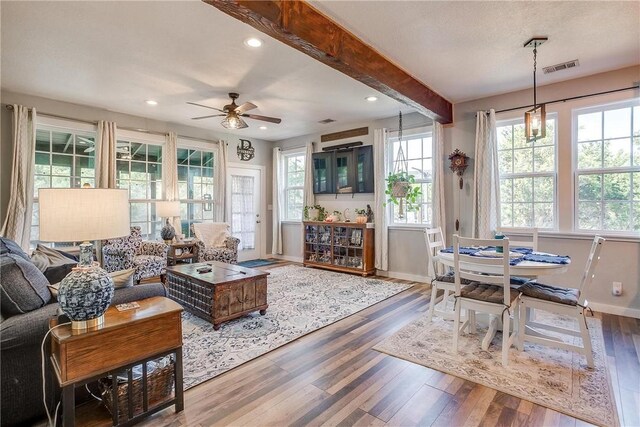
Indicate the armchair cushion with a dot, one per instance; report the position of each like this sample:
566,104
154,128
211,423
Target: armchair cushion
567,296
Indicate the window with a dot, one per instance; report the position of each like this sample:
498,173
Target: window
607,159
293,186
139,169
418,151
64,158
527,176
195,186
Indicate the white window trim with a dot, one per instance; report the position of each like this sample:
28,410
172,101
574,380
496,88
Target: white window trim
422,132
554,174
285,155
575,231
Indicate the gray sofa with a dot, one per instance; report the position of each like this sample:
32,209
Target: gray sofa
21,336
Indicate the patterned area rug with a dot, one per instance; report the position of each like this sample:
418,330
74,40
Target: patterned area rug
301,300
556,379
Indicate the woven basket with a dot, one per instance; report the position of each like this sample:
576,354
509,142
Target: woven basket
159,388
400,189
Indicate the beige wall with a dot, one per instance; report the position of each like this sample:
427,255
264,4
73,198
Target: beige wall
263,151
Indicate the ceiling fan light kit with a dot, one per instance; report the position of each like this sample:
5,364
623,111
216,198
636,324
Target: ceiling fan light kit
535,124
233,113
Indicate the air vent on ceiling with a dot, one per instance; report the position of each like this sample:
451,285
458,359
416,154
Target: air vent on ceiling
560,67
325,121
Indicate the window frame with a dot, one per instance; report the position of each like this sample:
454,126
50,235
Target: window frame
285,184
201,146
421,132
553,174
51,124
146,139
576,173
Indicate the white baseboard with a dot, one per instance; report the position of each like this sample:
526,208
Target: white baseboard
288,258
404,276
615,309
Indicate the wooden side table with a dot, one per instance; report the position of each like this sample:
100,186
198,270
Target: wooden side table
126,339
182,252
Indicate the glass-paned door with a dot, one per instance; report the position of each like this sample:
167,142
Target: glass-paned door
243,192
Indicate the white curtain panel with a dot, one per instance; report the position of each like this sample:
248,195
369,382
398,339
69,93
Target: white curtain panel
309,197
106,155
278,202
439,211
380,210
17,223
170,174
221,179
486,178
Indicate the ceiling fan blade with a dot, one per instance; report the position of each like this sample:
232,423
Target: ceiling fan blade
263,118
90,149
245,107
207,117
83,140
205,106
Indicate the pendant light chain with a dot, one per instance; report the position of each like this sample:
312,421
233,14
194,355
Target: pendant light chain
401,160
535,63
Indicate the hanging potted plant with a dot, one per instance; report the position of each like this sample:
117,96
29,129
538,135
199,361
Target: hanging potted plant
401,187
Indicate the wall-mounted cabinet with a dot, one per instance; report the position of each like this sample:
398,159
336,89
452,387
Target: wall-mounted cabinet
343,171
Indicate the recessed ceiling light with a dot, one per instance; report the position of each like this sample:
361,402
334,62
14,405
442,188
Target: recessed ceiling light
253,42
371,98
151,102
263,128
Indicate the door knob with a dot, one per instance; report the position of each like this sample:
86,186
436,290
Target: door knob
257,222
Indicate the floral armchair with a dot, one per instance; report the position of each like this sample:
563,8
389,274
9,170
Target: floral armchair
148,258
228,253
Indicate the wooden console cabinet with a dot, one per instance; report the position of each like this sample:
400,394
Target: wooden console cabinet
340,246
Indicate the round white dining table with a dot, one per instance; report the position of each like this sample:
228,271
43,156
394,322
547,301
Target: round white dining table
524,268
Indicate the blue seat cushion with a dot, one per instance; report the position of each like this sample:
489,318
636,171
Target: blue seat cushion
567,296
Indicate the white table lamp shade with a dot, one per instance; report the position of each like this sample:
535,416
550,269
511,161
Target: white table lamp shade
83,214
167,209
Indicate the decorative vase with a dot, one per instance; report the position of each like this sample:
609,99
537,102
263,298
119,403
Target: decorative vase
168,233
85,294
400,189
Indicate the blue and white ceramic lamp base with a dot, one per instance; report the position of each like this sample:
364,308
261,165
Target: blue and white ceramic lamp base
85,293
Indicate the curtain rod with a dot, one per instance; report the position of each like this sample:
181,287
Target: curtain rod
568,99
94,122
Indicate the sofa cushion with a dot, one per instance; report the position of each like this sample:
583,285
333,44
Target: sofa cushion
8,246
23,287
568,296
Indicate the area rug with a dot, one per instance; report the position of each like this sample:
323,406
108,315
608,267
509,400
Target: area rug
253,263
556,379
301,300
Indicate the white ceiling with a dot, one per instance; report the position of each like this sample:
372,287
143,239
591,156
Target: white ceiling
471,49
115,55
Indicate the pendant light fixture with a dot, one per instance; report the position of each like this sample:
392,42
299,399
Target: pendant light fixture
535,119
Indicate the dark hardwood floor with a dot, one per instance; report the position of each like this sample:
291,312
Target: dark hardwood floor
334,377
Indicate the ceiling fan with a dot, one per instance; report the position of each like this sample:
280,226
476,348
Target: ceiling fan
121,147
233,113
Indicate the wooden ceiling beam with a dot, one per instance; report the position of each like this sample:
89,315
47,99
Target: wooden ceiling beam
299,25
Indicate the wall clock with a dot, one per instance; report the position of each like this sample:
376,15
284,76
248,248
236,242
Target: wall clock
245,150
459,162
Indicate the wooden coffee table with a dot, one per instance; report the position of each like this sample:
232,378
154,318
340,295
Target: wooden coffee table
227,292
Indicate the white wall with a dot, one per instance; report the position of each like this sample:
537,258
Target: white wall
263,149
620,259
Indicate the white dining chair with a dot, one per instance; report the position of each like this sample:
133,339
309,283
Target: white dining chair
434,240
521,237
487,293
564,301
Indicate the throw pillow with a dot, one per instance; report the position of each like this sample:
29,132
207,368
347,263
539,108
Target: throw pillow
23,287
213,235
123,278
44,257
8,246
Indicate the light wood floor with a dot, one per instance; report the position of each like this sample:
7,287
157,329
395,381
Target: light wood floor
334,377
